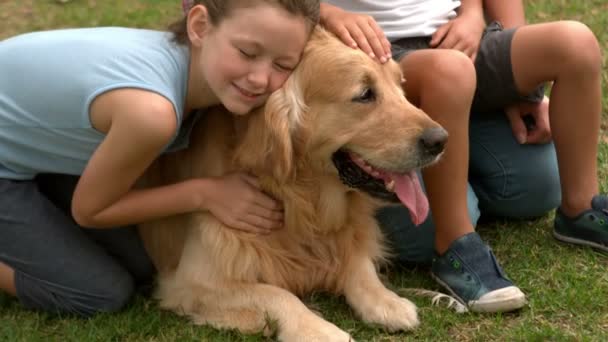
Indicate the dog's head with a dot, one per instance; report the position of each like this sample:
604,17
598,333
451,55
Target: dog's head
343,114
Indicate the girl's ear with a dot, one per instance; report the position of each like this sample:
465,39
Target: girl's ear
197,24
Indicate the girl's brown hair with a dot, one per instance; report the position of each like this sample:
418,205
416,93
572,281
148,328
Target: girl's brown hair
220,9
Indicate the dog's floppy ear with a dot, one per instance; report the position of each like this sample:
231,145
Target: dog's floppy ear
267,147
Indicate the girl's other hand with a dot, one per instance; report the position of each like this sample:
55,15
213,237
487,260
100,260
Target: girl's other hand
357,31
238,202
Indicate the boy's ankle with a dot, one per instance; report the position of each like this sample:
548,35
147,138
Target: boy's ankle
572,209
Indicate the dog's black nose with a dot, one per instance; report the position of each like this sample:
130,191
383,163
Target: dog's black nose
433,140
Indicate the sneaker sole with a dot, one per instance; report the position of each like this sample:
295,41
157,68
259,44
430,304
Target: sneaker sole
579,242
502,300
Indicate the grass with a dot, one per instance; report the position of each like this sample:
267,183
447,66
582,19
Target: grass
566,286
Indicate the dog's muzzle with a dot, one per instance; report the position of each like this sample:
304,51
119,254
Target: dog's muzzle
353,176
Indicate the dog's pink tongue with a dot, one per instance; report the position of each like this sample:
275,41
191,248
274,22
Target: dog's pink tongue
409,191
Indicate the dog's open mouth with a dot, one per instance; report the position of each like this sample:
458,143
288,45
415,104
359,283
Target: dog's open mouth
390,186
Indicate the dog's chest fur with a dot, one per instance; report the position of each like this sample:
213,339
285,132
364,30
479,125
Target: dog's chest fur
322,233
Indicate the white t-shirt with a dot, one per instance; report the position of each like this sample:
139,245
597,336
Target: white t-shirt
403,18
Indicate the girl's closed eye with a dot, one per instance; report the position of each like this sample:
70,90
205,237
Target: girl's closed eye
284,67
247,54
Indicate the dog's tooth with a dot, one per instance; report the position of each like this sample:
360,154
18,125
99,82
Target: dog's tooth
375,173
390,185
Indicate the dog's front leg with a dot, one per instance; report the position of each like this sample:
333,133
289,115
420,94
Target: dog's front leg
279,308
373,301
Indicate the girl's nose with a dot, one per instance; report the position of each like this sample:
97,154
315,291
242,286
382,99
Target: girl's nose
259,77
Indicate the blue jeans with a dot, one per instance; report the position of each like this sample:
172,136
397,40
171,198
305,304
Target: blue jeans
506,180
59,266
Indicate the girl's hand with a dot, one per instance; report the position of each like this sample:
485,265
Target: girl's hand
237,201
357,31
463,33
537,131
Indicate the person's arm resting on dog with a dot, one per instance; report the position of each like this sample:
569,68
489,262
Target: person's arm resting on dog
104,196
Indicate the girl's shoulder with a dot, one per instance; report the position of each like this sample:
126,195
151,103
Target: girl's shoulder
78,39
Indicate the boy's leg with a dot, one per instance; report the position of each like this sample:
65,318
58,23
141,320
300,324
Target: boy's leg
411,244
511,180
568,54
442,83
56,266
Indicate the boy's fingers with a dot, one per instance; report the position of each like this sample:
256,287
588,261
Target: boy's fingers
448,42
518,126
439,35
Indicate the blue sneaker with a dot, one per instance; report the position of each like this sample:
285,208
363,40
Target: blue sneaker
589,228
470,272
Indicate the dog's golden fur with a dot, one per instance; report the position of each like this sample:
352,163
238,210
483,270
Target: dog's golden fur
331,241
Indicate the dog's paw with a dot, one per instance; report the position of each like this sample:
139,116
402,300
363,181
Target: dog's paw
393,312
314,330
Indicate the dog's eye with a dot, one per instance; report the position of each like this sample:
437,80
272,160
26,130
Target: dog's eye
368,95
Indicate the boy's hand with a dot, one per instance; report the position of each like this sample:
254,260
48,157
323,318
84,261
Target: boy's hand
237,201
537,131
462,33
357,31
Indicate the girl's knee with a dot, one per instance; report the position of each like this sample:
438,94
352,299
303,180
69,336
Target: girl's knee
113,298
83,300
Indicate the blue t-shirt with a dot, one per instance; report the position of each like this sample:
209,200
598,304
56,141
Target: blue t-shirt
48,80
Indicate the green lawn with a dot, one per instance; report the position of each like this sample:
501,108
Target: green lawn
567,287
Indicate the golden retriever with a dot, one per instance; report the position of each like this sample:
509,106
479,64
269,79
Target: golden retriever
333,144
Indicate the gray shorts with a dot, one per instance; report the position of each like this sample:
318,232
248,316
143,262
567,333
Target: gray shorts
496,87
59,266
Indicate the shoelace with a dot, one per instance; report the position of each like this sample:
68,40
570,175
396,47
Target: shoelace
437,298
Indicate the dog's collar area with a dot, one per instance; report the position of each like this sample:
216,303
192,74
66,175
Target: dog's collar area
354,177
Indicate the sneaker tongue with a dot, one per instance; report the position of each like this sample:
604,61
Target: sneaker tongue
409,192
600,203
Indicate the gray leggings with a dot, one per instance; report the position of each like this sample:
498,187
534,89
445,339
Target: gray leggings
59,266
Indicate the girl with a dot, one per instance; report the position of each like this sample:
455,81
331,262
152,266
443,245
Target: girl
83,112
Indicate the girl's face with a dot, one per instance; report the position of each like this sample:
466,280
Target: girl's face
250,54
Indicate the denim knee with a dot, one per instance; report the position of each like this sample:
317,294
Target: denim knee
524,188
105,296
415,244
511,180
